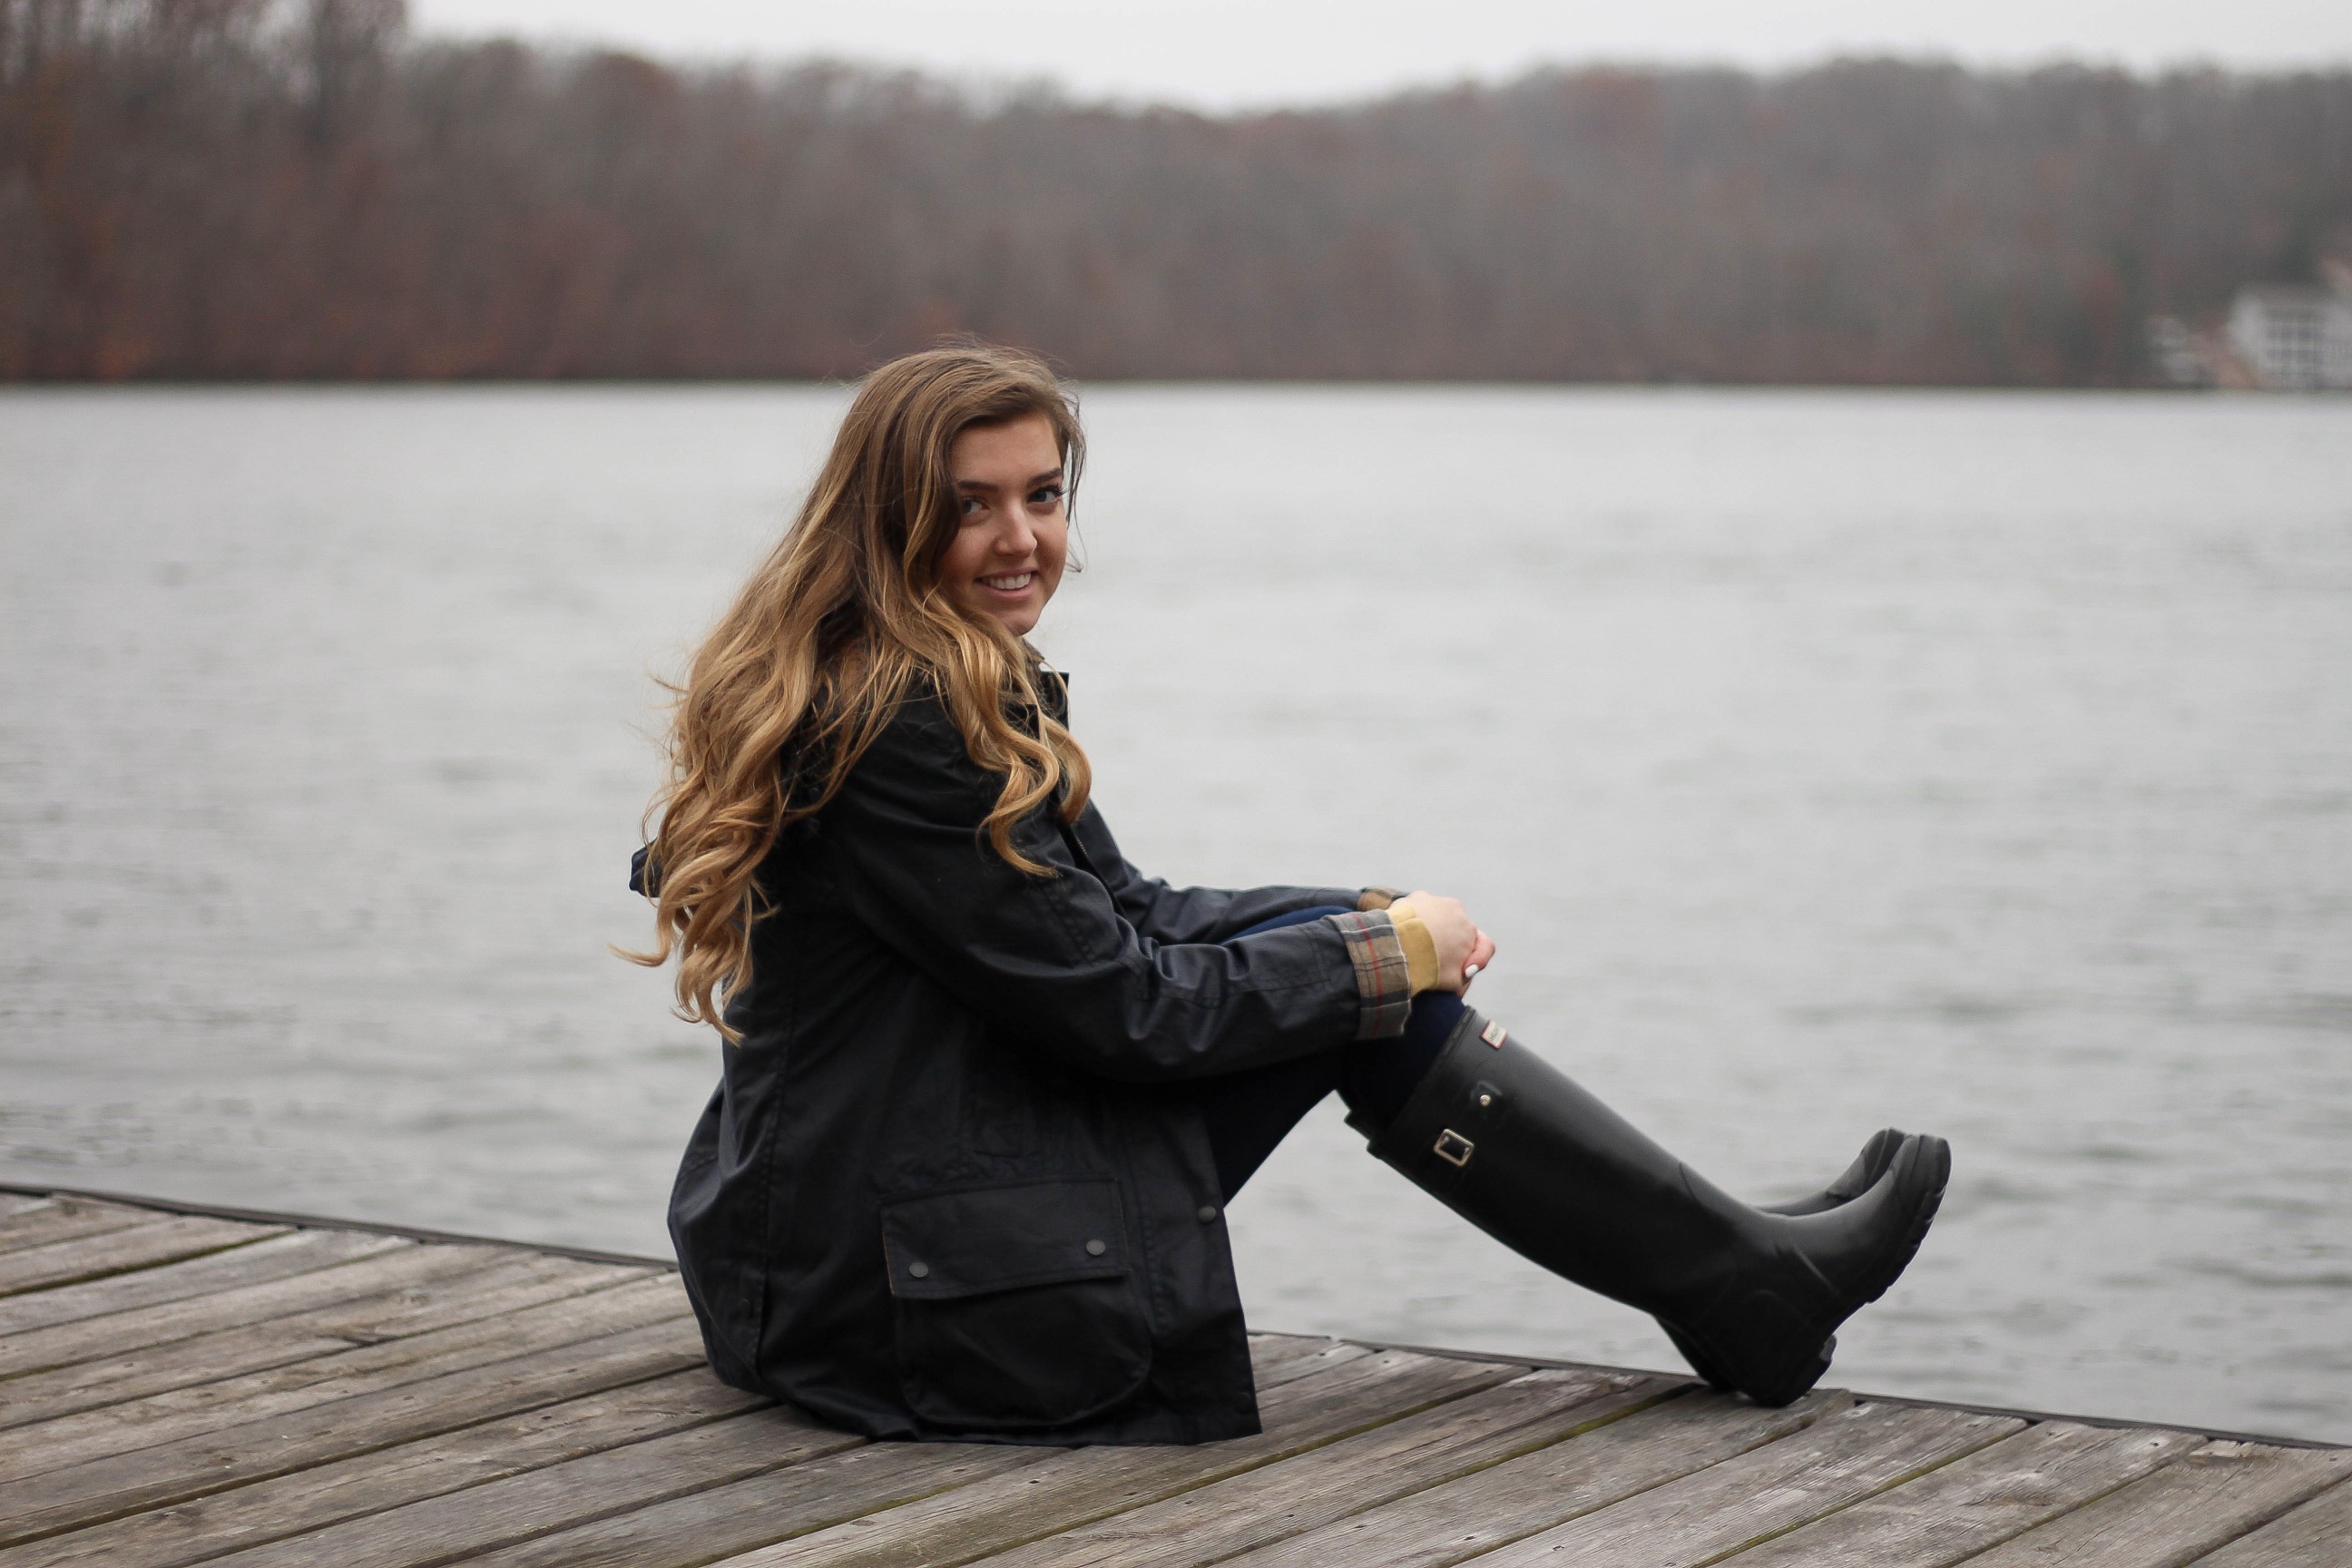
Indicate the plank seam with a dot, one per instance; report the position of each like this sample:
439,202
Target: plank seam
2108,1423
110,1272
2026,1527
174,1500
177,1337
1079,1522
1662,1396
313,1268
108,1224
1066,1526
230,1411
1904,1479
323,1222
209,1377
1516,1536
850,1443
910,1502
258,1535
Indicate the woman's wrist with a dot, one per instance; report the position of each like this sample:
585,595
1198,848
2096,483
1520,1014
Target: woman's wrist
1377,898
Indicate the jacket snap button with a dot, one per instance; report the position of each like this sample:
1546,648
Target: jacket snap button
919,1270
1208,1212
1096,1249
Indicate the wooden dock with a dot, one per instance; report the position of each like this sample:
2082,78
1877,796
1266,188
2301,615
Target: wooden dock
187,1386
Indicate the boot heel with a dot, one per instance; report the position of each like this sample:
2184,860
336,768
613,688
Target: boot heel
1700,1362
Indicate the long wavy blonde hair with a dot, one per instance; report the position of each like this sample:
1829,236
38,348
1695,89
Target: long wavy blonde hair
848,614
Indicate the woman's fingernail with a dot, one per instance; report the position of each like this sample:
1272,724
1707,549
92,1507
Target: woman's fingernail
1469,970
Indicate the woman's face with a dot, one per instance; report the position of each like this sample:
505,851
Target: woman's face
1006,559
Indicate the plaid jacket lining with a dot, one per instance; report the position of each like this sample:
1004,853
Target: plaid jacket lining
1383,979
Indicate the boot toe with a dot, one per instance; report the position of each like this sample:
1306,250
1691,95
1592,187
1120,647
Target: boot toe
1924,1173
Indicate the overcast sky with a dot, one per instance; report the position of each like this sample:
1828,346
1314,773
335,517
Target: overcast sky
1223,53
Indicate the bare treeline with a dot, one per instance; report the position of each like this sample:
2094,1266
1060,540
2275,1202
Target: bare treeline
241,188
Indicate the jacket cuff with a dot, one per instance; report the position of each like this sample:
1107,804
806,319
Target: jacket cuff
1377,898
1383,977
1419,947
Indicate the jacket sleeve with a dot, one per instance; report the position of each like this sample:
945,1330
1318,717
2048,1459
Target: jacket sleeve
1189,914
1053,961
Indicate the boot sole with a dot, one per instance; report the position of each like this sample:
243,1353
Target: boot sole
1876,1284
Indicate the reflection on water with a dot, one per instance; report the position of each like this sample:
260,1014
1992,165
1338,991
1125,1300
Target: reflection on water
1969,763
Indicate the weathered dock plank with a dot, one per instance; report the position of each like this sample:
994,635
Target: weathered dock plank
225,1450
44,1220
1976,1502
340,1282
1067,1491
1300,1407
1458,1521
873,1480
618,1480
181,1351
1285,1357
280,1257
1210,1523
2195,1505
201,1408
261,1391
381,1479
1837,1460
67,1260
2314,1534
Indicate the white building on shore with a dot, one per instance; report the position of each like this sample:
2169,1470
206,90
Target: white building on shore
2293,337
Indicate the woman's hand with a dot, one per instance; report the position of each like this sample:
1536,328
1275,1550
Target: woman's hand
1463,949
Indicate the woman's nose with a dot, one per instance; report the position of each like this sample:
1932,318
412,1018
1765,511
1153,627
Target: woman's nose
1017,537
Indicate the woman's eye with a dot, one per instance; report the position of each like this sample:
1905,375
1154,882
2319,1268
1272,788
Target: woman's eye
1046,495
971,506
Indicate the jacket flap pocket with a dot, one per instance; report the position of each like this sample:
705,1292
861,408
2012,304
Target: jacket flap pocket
977,1240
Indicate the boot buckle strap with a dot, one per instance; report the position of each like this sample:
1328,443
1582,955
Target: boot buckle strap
1452,1148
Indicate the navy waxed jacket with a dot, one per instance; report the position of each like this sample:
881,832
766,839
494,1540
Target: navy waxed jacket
953,1184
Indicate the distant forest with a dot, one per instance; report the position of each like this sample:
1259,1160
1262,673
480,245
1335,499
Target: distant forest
258,189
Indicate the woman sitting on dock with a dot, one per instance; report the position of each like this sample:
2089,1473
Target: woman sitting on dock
987,1088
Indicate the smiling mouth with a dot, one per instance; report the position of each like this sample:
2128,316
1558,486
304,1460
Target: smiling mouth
1015,582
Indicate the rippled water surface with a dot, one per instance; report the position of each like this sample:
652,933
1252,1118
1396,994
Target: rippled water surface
1979,763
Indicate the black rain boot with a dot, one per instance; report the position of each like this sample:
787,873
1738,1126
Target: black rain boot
1521,1151
1851,1183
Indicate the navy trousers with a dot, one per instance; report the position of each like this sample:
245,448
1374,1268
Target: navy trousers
1248,1113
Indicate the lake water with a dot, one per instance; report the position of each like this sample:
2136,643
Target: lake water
1972,762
